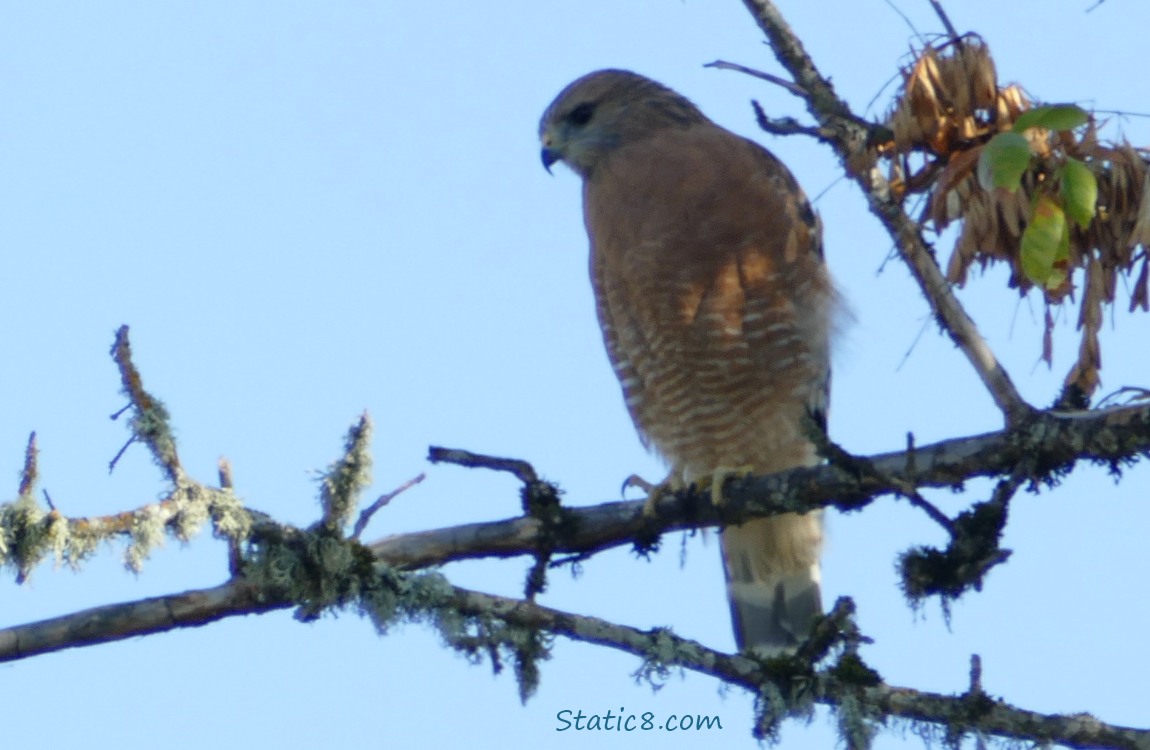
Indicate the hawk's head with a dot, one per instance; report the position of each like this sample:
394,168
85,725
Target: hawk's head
607,109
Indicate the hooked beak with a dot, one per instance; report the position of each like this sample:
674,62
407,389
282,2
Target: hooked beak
548,156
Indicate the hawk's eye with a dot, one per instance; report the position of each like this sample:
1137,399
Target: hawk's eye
581,115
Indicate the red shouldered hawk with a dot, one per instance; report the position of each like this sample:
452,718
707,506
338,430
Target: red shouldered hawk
716,307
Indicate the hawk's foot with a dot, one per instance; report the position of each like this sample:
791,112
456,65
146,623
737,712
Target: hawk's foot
714,481
655,492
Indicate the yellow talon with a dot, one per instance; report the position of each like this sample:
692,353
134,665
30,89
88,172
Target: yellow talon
718,477
655,492
674,482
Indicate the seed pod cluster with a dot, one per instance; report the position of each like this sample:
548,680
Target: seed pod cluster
949,106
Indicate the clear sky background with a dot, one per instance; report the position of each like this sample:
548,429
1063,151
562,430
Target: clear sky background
306,210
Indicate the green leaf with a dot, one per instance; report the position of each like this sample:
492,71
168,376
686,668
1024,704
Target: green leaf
1002,162
1045,242
1052,117
1079,191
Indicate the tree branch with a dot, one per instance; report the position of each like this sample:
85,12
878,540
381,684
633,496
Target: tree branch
760,74
851,137
115,622
1041,450
832,686
1054,443
150,420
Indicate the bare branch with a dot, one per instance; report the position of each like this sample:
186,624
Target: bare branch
783,125
861,466
941,13
761,75
31,471
365,517
851,136
115,622
224,469
521,469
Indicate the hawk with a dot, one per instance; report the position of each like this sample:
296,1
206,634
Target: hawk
716,308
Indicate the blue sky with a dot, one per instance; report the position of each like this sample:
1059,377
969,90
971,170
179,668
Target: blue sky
307,210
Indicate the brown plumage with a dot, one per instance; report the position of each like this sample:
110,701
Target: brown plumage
715,306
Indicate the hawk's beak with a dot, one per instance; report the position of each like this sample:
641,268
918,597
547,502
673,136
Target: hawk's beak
549,156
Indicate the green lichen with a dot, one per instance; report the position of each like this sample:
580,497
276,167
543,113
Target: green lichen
852,670
856,725
230,519
345,479
24,536
151,424
82,543
770,710
190,512
146,533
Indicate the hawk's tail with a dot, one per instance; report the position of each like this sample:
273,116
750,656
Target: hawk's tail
772,569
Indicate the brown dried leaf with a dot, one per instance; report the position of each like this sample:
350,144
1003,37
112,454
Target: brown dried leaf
954,179
983,77
1084,374
1140,234
1089,143
922,90
959,264
1140,297
957,86
1015,103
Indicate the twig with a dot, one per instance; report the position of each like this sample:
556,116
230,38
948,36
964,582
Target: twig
521,469
904,17
946,24
1133,394
120,453
769,77
150,421
936,515
910,464
365,517
30,472
975,688
864,468
850,137
224,469
783,125
539,500
235,547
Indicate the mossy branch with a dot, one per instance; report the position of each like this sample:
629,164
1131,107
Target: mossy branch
476,623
